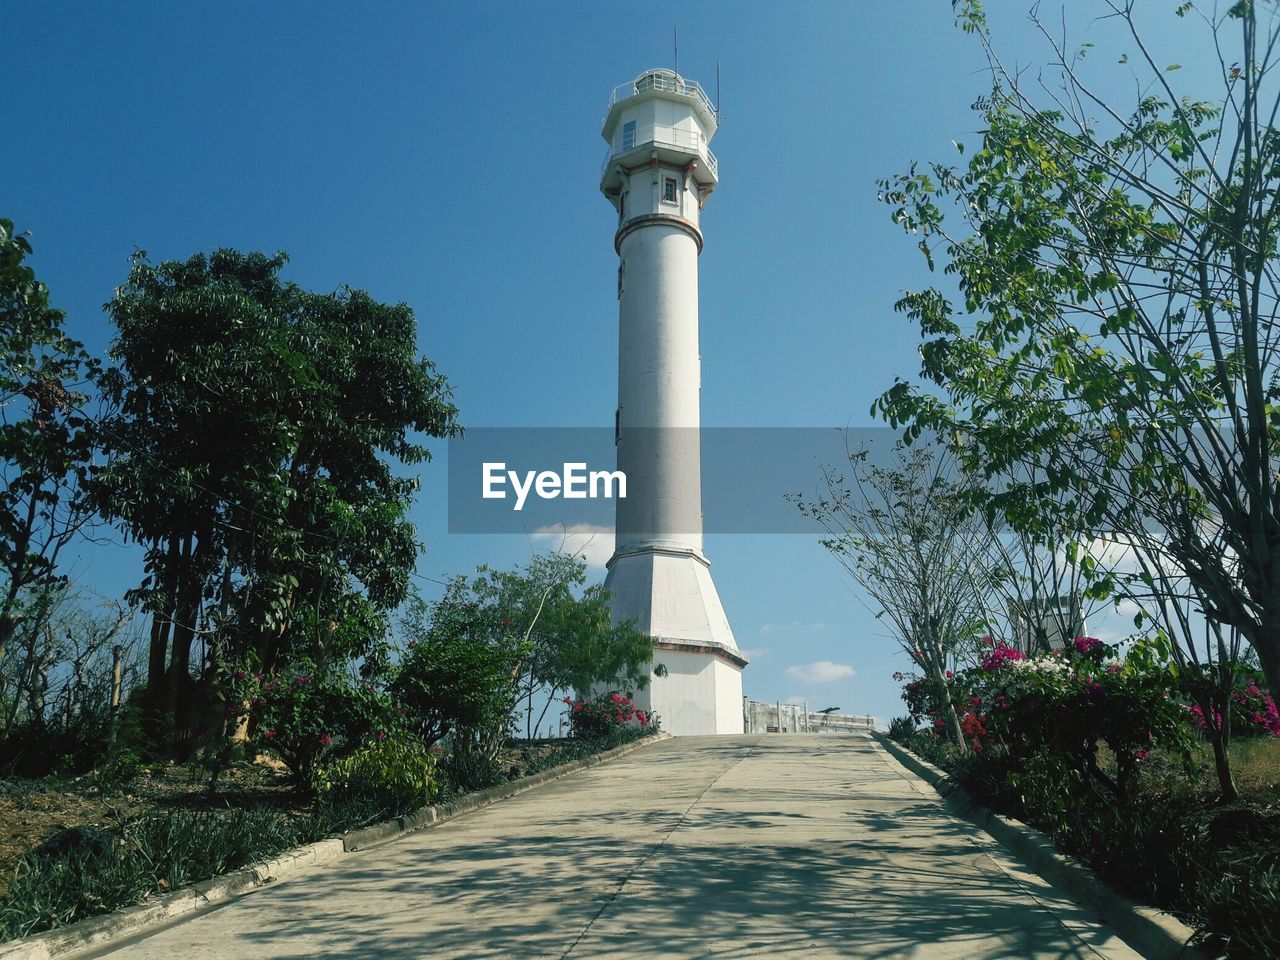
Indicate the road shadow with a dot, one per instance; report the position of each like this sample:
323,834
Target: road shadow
865,867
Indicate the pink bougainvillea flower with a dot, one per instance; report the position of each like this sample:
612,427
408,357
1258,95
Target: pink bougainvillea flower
326,740
1086,644
1001,654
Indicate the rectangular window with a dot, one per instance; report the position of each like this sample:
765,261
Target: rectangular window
628,135
669,190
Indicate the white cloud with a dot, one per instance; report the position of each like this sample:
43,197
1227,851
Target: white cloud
1119,553
754,653
593,543
820,671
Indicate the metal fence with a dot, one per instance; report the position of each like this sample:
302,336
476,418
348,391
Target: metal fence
758,717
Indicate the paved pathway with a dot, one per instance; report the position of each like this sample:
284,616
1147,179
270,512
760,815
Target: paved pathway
756,846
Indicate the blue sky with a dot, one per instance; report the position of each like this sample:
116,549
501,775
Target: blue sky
448,155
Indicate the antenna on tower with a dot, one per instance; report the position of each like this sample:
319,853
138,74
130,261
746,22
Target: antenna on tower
675,45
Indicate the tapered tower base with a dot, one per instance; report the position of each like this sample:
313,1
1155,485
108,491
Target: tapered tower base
669,595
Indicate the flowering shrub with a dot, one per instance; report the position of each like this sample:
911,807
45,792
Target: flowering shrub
307,716
1048,716
1253,712
1040,721
603,714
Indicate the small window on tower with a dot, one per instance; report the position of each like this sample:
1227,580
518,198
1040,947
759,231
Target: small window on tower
669,190
628,135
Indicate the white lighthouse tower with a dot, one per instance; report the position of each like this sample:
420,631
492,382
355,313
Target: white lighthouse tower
659,173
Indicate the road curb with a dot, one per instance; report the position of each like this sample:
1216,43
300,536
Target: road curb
87,937
1154,933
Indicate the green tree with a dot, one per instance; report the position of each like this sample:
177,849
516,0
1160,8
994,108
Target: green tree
574,644
510,637
906,535
258,431
457,669
1117,271
47,439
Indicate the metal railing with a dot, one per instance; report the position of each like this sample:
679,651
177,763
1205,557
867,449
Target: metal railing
777,717
664,81
665,136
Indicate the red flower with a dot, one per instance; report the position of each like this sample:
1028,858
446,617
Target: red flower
326,740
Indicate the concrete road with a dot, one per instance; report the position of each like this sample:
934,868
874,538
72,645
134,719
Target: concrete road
758,846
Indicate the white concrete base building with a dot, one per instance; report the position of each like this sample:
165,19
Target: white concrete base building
671,597
658,175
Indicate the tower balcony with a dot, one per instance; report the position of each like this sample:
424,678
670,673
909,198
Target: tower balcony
661,81
672,144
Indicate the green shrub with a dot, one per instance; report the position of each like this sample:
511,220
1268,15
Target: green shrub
451,678
469,770
396,774
308,715
59,746
902,729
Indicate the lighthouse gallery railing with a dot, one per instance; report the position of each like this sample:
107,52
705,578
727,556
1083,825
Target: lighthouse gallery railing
663,135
